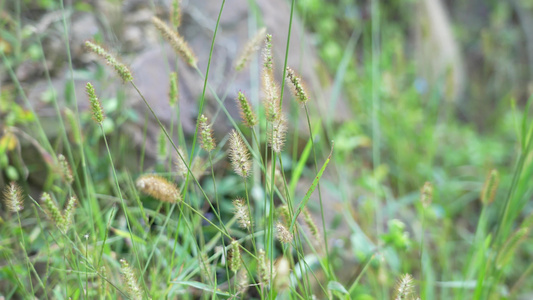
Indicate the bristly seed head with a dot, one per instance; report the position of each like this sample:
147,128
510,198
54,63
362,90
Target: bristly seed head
426,194
159,188
68,214
239,155
404,287
490,187
276,134
308,219
181,163
263,268
251,46
247,113
268,62
284,235
206,134
120,68
173,94
132,285
241,211
235,257
271,96
65,169
96,107
53,212
176,41
13,198
297,86
175,14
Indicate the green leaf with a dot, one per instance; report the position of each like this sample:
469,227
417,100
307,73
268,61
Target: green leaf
127,235
336,286
203,287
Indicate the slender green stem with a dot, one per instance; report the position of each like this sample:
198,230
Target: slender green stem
331,274
124,207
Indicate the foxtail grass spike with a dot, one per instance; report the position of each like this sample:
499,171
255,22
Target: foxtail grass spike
285,215
242,281
130,280
162,149
180,163
284,235
271,96
173,94
297,86
53,212
235,257
65,169
268,62
13,197
308,219
240,157
247,114
159,188
205,267
404,287
96,107
176,41
263,268
206,134
119,67
276,134
68,215
489,188
426,194
175,13
241,211
508,250
251,46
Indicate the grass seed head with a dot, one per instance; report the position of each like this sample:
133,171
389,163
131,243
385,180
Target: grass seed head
65,169
176,41
489,188
276,134
308,219
271,96
68,214
181,163
173,94
53,212
175,13
247,113
263,268
404,287
241,211
130,280
119,67
297,86
13,197
96,108
251,46
426,194
239,155
159,188
235,257
268,62
284,235
206,134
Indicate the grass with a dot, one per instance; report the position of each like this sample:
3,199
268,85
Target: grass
394,203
